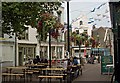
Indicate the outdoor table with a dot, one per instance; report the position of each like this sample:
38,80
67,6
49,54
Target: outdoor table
42,63
18,67
35,65
52,69
74,67
47,73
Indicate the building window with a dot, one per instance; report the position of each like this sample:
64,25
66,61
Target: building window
43,51
85,31
81,22
24,53
77,31
59,52
24,35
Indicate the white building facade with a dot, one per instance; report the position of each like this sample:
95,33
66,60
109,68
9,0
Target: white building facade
81,25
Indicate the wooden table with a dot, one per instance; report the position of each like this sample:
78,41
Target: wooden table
52,75
51,69
35,65
19,68
56,69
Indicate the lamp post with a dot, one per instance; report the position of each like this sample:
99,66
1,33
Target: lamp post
15,49
98,48
68,35
50,48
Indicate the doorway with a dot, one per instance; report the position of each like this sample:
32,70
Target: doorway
20,59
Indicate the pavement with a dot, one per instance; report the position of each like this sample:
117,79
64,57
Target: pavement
92,74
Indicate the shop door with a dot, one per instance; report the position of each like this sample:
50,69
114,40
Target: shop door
20,59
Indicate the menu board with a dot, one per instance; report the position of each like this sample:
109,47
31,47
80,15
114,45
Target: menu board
105,60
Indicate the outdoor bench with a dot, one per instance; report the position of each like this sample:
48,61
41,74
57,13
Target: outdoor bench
58,74
49,77
11,74
30,74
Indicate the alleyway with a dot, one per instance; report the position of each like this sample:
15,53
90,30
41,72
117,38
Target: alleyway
92,74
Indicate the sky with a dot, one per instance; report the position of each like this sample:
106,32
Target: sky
96,11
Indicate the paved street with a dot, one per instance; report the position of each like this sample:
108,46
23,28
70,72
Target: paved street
92,74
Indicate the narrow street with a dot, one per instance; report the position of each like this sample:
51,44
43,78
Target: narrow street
92,74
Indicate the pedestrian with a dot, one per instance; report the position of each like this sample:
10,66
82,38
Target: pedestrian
75,61
87,58
36,60
92,59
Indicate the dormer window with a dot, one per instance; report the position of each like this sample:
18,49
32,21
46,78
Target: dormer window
77,31
81,22
23,35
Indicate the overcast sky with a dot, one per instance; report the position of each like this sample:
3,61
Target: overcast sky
97,10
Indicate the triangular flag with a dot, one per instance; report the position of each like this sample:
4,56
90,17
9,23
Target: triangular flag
93,10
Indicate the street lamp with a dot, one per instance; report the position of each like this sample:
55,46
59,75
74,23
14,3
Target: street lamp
50,49
68,35
15,49
98,48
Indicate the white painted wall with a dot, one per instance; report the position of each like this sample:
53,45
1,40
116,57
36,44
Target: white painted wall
7,48
8,52
76,25
31,36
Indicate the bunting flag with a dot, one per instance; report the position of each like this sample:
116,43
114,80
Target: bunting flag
90,22
93,10
107,16
103,16
95,19
99,19
98,14
90,18
106,11
101,6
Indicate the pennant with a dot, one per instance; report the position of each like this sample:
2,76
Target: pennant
98,14
90,18
106,11
104,16
107,16
90,22
99,19
101,6
93,10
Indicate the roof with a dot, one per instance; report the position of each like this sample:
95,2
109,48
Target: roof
95,29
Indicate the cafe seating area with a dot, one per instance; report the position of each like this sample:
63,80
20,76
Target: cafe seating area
41,72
